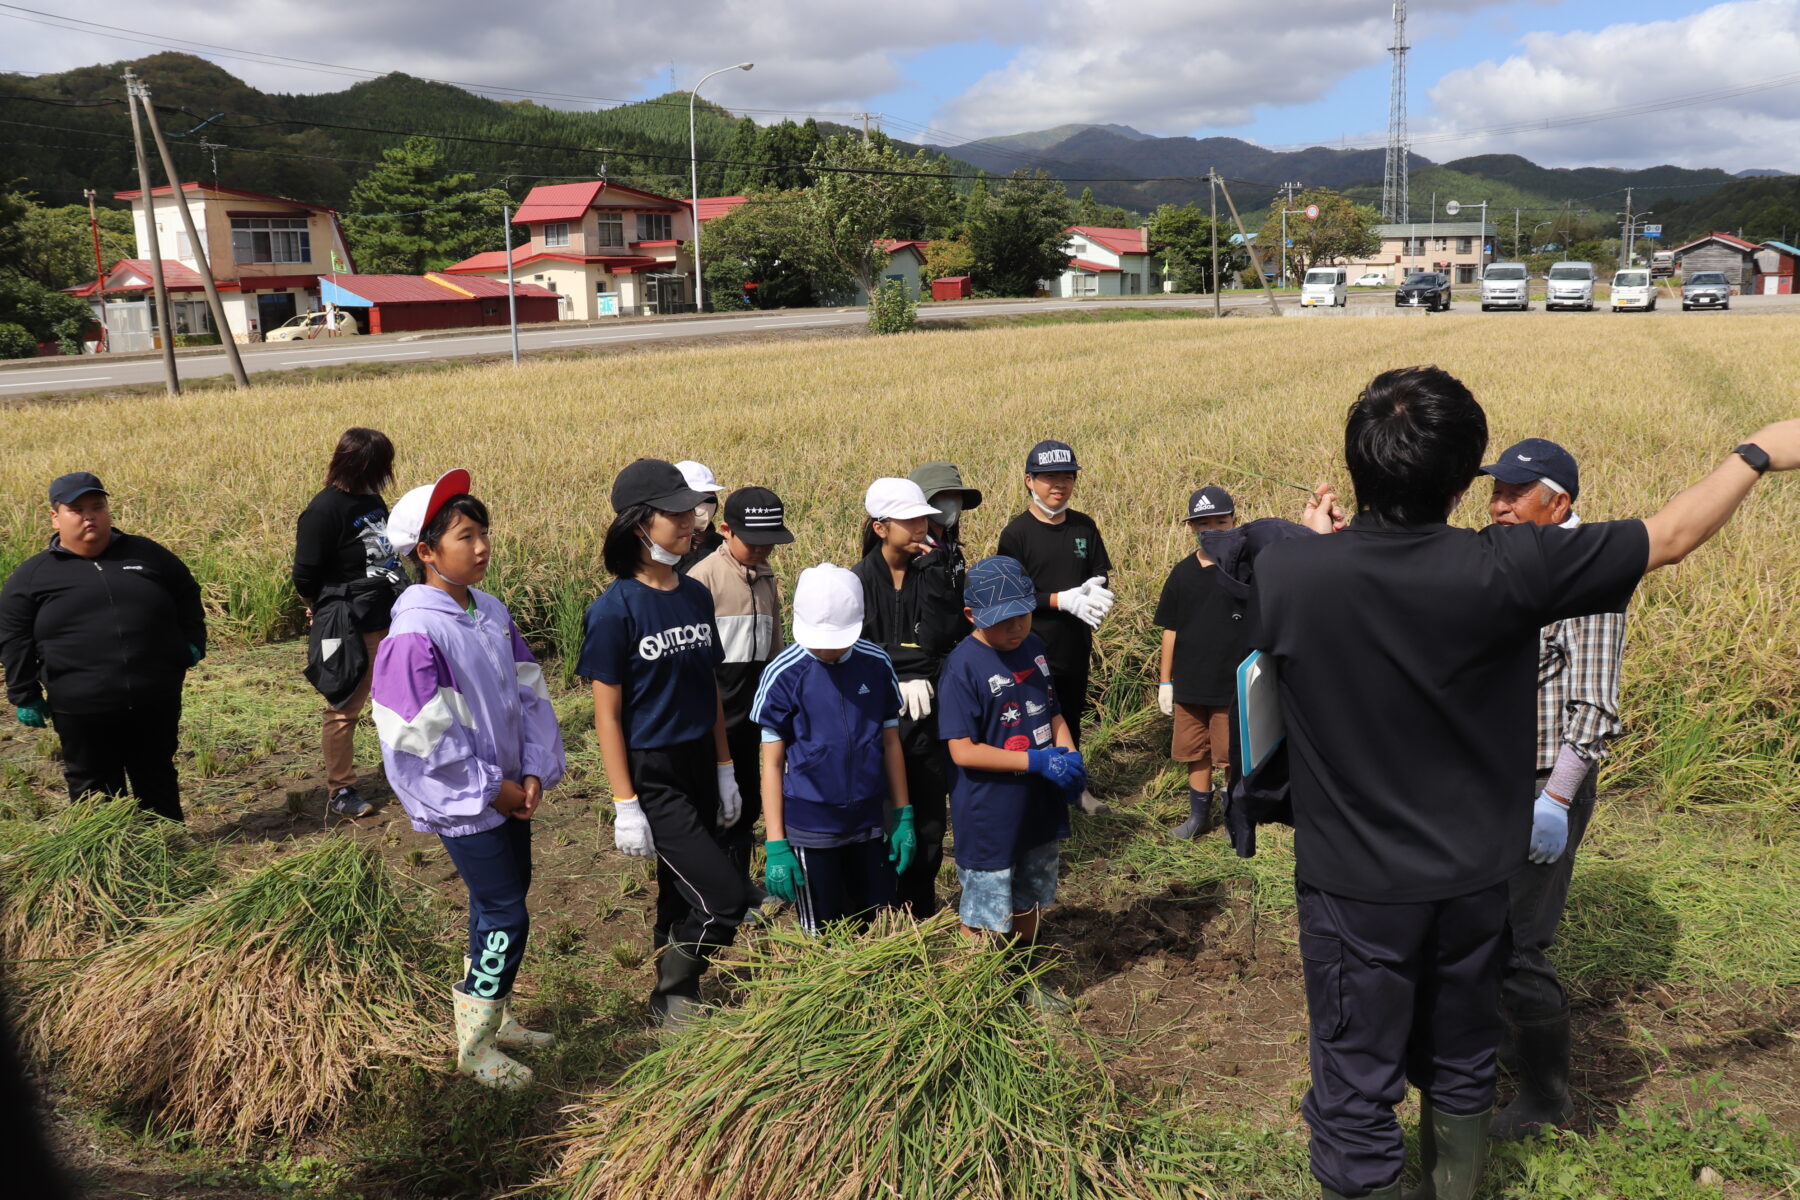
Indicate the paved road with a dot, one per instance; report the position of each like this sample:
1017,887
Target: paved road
95,374
98,374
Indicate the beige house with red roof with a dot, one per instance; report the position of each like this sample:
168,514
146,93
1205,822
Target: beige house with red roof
607,249
1108,262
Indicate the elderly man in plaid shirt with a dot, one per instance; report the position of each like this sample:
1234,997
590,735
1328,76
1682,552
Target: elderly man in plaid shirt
1537,482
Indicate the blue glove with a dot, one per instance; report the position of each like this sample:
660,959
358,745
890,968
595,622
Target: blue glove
197,654
1549,828
1062,767
36,714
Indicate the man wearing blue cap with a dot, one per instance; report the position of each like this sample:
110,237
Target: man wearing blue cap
109,623
1537,483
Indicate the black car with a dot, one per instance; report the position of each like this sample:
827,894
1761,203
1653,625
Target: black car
1428,289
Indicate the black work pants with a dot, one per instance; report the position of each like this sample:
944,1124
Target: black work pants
1530,992
844,883
700,895
1395,993
927,789
495,866
745,743
102,751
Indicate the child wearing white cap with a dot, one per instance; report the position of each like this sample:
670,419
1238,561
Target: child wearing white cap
707,537
829,708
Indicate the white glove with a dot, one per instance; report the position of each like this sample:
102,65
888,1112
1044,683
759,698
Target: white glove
1097,594
631,829
1080,602
915,698
731,801
1165,698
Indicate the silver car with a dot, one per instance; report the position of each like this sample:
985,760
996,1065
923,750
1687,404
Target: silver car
1705,289
1506,285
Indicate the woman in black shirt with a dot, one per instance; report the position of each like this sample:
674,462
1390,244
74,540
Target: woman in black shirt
342,556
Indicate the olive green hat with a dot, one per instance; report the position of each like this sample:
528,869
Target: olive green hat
935,477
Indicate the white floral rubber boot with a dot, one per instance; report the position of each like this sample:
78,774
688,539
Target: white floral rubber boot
512,1035
477,1026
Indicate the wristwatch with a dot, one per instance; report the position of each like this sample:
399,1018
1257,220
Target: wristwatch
1755,455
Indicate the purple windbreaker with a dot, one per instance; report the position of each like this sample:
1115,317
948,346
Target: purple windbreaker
460,705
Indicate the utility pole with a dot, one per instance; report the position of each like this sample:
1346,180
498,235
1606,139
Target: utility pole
99,268
512,292
1625,234
865,121
214,305
1515,234
160,288
1255,259
1212,187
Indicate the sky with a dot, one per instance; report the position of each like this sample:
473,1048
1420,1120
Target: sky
1561,82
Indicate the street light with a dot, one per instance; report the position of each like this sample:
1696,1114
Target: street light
694,178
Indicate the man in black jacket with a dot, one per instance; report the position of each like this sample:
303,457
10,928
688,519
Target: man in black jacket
107,623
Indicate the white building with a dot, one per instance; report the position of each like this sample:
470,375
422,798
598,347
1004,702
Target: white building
1108,262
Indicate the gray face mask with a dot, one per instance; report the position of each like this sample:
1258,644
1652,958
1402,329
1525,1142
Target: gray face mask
949,506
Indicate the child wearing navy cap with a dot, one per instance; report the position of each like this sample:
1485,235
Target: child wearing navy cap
1202,645
1014,766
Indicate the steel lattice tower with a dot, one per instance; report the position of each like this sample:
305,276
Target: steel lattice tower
1395,206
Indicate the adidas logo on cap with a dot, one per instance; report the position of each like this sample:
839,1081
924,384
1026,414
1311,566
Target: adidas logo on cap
863,690
1203,504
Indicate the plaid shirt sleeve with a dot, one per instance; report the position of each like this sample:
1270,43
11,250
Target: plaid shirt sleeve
1578,686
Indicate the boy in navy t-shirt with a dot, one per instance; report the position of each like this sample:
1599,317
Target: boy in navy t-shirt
829,708
1014,766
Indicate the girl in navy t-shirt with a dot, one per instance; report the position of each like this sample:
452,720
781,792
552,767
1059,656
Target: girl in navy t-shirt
650,649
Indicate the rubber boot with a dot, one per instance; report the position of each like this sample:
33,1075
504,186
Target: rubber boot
1543,1078
1390,1192
675,1000
1036,991
512,1035
1451,1152
1091,804
1199,816
477,1023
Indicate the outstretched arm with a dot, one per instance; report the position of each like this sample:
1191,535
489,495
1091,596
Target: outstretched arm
1686,523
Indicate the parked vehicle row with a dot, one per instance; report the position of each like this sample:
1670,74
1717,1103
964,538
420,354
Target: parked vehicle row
1568,285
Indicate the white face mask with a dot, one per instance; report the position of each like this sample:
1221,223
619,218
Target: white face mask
949,506
703,515
1046,509
667,558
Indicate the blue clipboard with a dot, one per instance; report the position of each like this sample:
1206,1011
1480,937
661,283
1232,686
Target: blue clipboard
1261,727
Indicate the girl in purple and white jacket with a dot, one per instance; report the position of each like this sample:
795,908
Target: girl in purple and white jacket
470,743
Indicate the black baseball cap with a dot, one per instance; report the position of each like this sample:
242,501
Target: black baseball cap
756,516
1534,459
66,489
1209,501
657,483
1048,457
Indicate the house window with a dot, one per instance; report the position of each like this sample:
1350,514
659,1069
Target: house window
556,233
270,240
612,229
1086,284
1465,246
655,227
1465,274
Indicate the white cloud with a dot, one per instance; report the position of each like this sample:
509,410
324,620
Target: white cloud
1179,64
1556,77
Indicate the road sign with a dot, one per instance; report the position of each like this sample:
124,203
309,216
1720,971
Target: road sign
1653,231
1312,212
1452,208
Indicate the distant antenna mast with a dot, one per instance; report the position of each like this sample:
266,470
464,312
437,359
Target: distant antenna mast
1395,207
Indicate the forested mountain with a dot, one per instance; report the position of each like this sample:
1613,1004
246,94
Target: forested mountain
1760,208
64,132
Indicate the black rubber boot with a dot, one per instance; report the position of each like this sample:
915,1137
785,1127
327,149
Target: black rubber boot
1199,816
1451,1152
1390,1192
675,1000
1543,1078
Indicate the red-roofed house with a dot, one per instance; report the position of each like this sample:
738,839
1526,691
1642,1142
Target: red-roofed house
1720,252
605,248
714,207
391,303
1108,262
266,253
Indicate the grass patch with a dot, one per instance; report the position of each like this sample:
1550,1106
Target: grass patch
259,1008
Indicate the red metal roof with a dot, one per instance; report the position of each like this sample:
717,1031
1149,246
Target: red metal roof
570,201
1737,243
393,289
1082,264
479,285
896,245
495,260
713,207
195,185
1119,241
179,277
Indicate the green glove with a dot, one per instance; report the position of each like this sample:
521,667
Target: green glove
781,871
197,652
903,842
36,714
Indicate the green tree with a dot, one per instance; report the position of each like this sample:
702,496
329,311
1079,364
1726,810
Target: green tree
1022,235
1182,235
56,245
741,180
868,191
769,242
1087,209
47,315
1342,230
411,214
948,256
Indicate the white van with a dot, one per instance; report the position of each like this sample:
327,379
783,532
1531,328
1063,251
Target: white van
1506,285
1633,289
1325,286
1570,285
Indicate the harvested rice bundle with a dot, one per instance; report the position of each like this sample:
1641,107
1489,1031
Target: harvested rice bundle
82,879
894,1064
256,1009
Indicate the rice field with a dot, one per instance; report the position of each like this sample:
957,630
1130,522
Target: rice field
1154,409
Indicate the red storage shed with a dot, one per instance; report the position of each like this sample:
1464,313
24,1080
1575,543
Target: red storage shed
952,287
406,303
